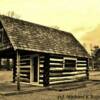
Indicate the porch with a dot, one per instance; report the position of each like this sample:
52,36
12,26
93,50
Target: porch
9,88
25,66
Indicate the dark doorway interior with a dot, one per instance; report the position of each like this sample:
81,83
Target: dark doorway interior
35,68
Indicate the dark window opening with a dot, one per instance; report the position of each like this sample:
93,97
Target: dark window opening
69,63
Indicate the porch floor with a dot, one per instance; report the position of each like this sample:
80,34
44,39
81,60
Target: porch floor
9,88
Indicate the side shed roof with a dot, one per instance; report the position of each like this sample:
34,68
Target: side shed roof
30,36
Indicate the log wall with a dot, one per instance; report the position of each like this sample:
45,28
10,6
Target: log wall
59,74
41,69
25,68
53,71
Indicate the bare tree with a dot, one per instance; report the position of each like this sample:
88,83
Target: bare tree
94,49
11,14
55,27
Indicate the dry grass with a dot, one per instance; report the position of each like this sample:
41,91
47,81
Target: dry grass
5,76
91,92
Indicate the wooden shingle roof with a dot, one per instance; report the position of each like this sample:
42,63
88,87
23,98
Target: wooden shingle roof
29,36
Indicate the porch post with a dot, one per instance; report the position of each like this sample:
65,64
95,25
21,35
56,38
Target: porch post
0,62
14,69
87,69
31,70
18,71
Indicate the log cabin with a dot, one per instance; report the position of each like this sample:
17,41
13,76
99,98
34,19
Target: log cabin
42,56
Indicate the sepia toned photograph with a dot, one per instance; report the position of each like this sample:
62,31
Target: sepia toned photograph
49,50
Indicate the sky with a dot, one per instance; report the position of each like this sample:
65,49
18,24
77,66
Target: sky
81,17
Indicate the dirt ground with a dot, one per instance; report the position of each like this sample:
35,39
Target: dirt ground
90,92
6,76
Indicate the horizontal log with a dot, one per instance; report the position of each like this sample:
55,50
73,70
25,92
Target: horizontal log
81,68
25,63
51,69
42,57
80,75
69,58
24,70
61,62
59,78
41,65
66,77
41,80
70,68
61,81
24,74
55,64
81,61
24,79
41,71
66,74
41,62
41,75
54,59
81,64
25,66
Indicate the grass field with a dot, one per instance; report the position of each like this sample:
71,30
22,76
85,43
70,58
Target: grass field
90,92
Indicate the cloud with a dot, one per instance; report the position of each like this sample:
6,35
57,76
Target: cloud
92,37
79,29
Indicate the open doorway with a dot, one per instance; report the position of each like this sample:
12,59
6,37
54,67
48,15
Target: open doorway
35,69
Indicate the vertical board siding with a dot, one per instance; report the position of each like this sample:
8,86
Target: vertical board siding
59,74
